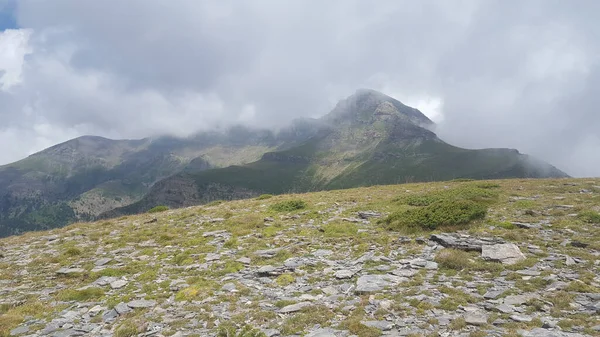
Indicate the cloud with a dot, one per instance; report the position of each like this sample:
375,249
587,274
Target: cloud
492,73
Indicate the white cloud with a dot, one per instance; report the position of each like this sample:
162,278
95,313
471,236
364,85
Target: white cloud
13,48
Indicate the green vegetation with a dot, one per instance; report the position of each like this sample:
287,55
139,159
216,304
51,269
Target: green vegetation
158,209
446,208
83,295
590,216
264,196
289,205
126,329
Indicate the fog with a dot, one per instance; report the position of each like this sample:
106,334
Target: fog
506,73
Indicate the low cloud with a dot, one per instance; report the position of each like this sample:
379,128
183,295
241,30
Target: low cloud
492,73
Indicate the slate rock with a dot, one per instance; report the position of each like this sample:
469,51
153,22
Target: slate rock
141,304
370,283
19,331
70,271
294,307
122,308
463,242
381,325
506,253
476,318
118,284
343,274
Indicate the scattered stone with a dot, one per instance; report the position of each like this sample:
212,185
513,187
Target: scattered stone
268,253
518,299
569,261
476,318
244,260
579,244
492,294
118,284
294,307
506,253
70,271
135,304
212,257
122,308
521,318
322,252
381,325
371,283
228,287
103,261
464,242
344,274
23,329
368,214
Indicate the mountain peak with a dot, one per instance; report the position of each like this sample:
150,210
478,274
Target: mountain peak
365,104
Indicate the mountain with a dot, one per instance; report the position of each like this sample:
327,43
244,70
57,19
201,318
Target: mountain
367,139
87,176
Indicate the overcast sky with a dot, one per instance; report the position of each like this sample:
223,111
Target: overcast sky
522,74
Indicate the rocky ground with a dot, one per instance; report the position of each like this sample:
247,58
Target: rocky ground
530,268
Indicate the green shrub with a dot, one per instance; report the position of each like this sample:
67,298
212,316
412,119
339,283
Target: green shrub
289,205
264,196
157,209
590,216
443,213
126,329
81,295
73,251
465,192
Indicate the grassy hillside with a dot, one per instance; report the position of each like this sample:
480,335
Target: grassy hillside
360,261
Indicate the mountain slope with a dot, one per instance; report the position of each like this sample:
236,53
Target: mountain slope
371,139
84,177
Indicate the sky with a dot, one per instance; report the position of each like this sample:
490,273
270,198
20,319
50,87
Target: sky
521,74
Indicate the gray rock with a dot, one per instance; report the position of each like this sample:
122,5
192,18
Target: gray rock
463,242
244,260
68,333
540,332
528,272
103,261
141,304
492,294
324,333
294,307
368,214
70,271
268,270
122,308
228,287
521,318
518,299
110,315
271,332
344,274
430,265
504,308
322,252
506,253
381,325
569,261
476,318
370,283
118,284
405,272
212,257
267,253
19,331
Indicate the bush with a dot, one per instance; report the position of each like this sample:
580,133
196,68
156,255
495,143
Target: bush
453,259
126,329
466,192
289,205
81,295
590,216
443,213
264,196
158,209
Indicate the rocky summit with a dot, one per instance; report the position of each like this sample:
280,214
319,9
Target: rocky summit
517,258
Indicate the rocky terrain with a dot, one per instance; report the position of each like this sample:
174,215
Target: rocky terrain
319,264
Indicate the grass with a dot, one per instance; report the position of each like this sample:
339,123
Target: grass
307,317
158,209
289,205
590,216
83,295
454,259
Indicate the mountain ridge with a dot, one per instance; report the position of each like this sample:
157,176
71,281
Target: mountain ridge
367,139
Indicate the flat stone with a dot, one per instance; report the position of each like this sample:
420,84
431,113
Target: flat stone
212,257
244,260
267,253
504,308
569,261
322,252
19,331
122,308
69,271
463,242
521,318
476,318
271,332
405,272
430,265
528,272
327,332
228,287
381,325
141,304
294,307
102,261
370,283
492,294
343,274
518,299
506,253
268,270
110,315
118,284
